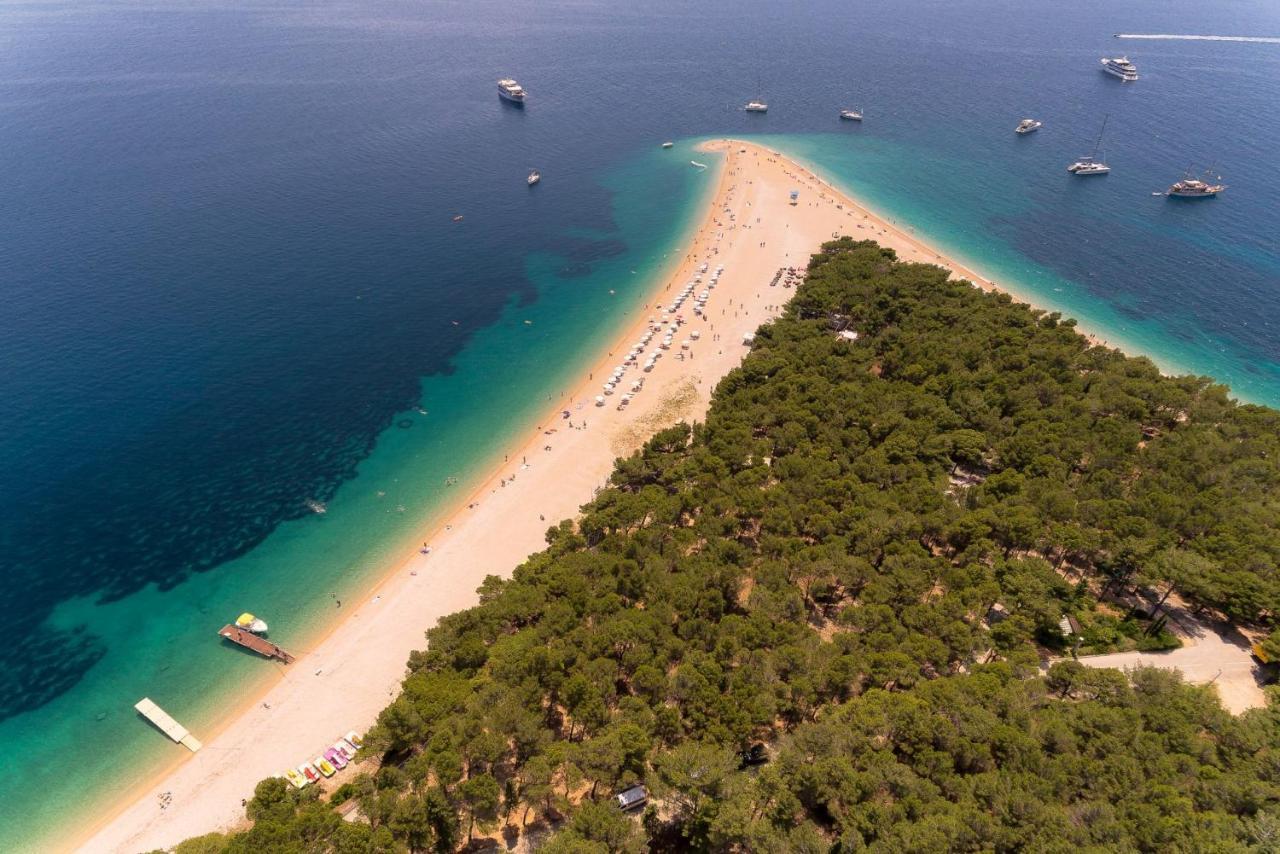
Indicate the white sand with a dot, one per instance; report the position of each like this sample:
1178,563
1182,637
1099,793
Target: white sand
752,230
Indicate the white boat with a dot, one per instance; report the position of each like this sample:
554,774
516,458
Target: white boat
851,115
250,623
697,165
1088,166
1092,164
1028,126
534,177
1194,188
1121,67
510,90
756,107
667,144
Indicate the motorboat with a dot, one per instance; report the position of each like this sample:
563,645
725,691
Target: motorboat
1028,126
534,177
756,107
510,90
1121,67
851,115
667,144
250,623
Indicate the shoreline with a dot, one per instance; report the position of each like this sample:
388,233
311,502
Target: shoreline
207,791
434,526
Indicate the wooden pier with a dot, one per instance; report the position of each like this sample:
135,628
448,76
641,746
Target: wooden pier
162,719
260,645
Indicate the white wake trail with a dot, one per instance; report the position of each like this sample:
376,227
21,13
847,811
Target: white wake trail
1172,37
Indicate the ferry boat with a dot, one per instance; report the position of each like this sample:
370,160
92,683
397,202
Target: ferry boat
757,107
510,90
1194,188
851,115
1121,67
534,177
1028,126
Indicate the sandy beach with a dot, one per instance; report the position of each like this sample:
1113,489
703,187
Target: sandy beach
751,229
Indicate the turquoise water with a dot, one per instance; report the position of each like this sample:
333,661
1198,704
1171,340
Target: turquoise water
231,273
162,644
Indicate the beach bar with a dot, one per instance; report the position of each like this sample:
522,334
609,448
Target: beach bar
167,724
249,640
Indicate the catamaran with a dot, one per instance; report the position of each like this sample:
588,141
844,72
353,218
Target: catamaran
1093,164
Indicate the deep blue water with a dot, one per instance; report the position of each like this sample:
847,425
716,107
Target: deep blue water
230,274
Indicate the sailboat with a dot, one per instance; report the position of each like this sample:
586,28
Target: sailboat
1093,164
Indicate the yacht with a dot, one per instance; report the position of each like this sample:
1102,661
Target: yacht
534,177
1028,125
1194,188
1092,164
510,90
757,107
851,115
1121,67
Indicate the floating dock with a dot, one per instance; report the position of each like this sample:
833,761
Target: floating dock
167,724
260,645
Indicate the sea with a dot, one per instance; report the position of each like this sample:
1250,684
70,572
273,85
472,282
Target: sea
247,355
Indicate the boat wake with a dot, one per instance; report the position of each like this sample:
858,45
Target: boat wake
1172,37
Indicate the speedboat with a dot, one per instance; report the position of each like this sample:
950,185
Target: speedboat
534,177
695,164
324,767
297,780
1194,188
851,115
1121,67
756,107
250,623
1028,126
667,144
510,90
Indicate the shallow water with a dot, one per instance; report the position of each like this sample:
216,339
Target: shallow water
232,279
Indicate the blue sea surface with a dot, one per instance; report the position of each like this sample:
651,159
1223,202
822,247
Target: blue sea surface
233,289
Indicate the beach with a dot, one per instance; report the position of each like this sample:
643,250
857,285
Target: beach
751,229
